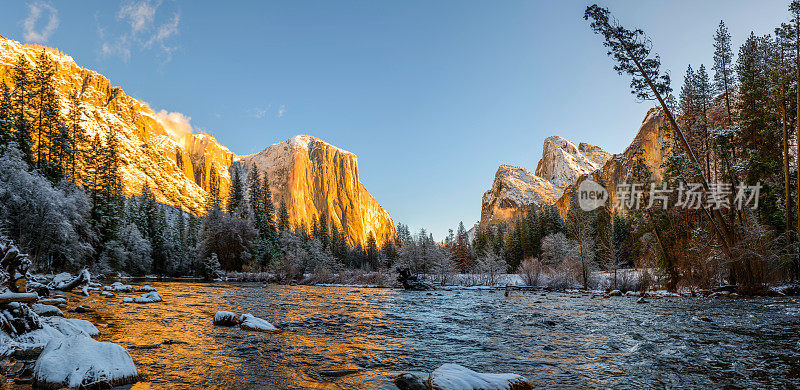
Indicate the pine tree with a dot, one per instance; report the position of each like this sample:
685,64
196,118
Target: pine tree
283,218
46,115
461,249
109,187
270,231
21,98
6,117
372,251
77,137
704,97
213,188
323,231
235,204
724,67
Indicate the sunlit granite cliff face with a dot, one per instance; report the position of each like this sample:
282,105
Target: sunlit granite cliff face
160,148
563,166
318,180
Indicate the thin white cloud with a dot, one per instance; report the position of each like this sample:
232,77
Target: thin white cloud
144,31
139,15
259,112
37,11
176,123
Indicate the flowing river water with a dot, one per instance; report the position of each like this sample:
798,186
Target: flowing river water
556,340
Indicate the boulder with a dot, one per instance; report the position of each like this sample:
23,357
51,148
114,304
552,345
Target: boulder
226,318
409,381
150,297
251,322
46,310
615,293
118,287
79,361
456,377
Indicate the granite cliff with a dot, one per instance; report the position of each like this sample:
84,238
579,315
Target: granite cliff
563,166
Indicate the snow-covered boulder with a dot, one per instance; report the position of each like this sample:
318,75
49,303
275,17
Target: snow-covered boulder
46,310
455,377
245,321
63,277
144,298
107,294
118,287
79,361
146,289
226,318
72,326
251,322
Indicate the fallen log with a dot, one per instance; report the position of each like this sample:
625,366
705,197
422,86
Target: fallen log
8,297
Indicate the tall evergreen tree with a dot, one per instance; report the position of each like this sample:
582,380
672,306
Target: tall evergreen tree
213,188
283,218
6,117
324,236
372,251
77,137
235,204
724,67
46,115
21,99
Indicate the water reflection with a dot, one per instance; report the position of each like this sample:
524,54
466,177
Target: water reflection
340,338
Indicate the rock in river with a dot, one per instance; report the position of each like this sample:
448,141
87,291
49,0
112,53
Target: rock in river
79,361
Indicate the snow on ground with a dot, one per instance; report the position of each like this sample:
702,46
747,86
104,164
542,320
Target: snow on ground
455,377
149,297
251,322
79,361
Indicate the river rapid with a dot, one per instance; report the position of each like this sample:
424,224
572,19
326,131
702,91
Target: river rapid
556,340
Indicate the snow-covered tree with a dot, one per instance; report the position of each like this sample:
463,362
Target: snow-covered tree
228,237
49,222
490,266
556,247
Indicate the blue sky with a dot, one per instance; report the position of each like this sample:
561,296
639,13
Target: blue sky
431,95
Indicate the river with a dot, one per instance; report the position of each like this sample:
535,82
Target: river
556,340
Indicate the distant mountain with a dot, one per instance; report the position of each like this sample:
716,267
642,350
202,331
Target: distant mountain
313,177
563,166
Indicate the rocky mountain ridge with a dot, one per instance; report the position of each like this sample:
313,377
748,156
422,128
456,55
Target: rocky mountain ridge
563,166
161,149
